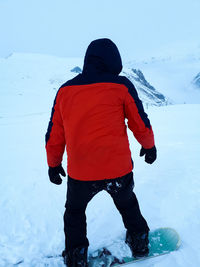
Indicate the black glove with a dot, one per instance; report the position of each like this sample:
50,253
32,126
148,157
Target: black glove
150,154
54,174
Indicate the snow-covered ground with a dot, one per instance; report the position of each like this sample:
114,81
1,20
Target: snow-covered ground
31,208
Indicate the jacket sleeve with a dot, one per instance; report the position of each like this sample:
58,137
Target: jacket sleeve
138,121
55,137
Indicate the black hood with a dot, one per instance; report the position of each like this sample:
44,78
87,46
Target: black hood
102,56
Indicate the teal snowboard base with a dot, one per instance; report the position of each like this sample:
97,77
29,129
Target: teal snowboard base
161,242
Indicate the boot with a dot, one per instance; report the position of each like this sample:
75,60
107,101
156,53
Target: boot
76,257
138,243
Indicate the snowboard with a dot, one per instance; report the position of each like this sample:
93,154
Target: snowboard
161,242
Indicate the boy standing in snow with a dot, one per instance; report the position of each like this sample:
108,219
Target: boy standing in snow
88,117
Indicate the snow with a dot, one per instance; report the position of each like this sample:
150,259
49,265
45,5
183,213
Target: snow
31,225
173,75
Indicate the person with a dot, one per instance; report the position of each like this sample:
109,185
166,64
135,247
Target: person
88,117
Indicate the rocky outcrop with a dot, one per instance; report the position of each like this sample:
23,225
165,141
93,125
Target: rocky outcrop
196,80
76,70
147,93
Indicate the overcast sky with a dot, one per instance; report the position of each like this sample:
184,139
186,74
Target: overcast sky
140,28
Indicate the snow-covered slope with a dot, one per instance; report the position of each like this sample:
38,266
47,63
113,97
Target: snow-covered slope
31,225
147,93
24,77
172,75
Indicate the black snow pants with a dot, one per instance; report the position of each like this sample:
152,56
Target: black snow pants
79,193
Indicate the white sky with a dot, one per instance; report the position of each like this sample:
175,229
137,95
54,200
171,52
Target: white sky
140,28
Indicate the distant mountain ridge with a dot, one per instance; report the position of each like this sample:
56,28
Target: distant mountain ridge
147,93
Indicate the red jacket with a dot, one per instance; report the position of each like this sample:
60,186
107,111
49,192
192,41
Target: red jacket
88,117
